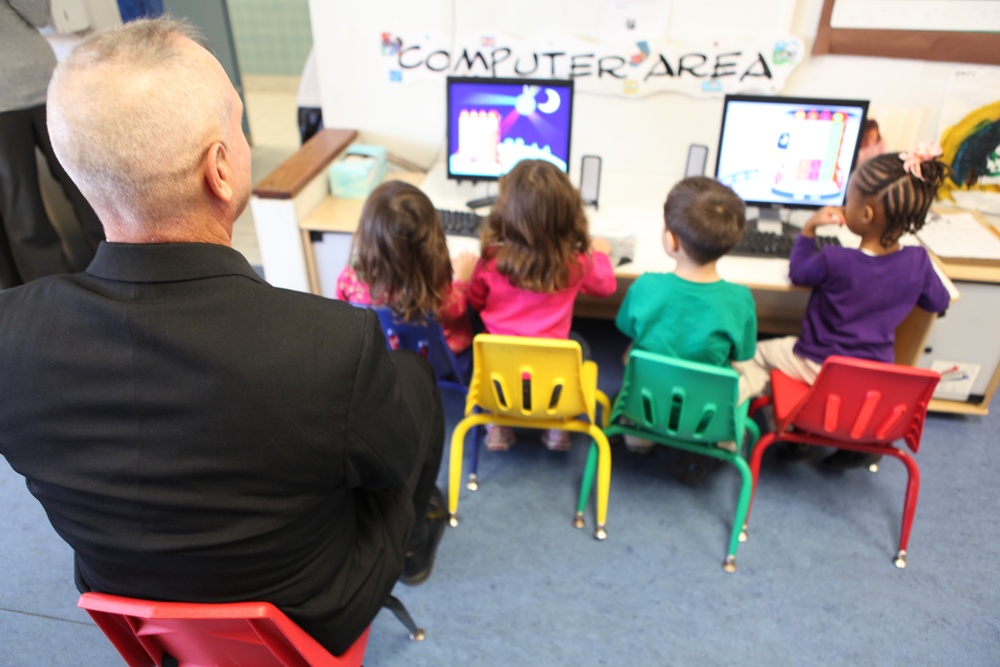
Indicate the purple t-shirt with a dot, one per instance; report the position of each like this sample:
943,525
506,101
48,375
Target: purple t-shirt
858,300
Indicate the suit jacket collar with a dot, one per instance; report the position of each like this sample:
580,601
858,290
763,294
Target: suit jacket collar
168,262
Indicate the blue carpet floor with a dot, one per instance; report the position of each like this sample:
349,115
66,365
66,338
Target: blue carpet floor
516,584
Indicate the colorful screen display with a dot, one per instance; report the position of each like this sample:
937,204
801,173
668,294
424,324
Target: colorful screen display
784,151
495,123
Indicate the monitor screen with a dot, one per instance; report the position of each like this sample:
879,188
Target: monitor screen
495,123
788,151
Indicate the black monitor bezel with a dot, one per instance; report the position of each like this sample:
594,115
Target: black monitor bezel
780,99
451,80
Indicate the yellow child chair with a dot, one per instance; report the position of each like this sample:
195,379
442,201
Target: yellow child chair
538,383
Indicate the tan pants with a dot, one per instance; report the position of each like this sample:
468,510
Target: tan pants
773,354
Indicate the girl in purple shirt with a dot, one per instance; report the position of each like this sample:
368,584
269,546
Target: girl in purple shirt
859,296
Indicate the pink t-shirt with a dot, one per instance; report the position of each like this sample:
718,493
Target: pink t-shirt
513,311
451,314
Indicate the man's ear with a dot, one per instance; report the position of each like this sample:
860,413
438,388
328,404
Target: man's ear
218,173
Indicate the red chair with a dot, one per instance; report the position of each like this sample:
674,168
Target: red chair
858,405
148,633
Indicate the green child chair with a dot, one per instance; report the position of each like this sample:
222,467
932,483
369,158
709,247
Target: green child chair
687,405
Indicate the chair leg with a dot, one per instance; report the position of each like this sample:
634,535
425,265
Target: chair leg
751,435
399,610
586,485
477,435
605,403
455,470
455,461
603,479
909,506
738,533
755,458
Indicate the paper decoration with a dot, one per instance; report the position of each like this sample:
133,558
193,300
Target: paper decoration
957,379
625,69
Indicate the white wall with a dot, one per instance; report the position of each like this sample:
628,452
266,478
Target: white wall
649,134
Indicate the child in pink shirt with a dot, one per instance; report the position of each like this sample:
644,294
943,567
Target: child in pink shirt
399,259
536,257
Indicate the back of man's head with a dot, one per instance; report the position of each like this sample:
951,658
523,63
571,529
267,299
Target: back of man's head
130,112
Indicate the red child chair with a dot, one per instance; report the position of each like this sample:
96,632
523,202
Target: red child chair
858,405
148,633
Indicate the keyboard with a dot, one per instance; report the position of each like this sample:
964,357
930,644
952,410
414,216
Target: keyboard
769,244
460,223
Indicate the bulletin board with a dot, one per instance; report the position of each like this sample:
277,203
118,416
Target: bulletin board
920,41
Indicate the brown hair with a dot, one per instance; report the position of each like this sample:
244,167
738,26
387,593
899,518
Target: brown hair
904,197
707,217
399,251
537,228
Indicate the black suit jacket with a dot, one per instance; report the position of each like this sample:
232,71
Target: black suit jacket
196,434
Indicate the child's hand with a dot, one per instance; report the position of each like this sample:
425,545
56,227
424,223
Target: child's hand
828,215
600,245
463,264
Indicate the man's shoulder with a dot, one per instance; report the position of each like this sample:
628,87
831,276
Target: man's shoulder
34,292
295,304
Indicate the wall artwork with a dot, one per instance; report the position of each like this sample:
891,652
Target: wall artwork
970,139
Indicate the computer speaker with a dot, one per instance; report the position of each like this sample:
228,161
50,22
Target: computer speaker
590,179
697,157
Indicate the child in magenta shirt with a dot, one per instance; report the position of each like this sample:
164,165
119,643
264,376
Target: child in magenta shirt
536,257
399,259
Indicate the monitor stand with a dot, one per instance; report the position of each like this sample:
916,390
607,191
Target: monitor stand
771,219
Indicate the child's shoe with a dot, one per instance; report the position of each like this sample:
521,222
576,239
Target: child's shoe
692,468
845,459
556,440
728,445
638,445
793,452
499,438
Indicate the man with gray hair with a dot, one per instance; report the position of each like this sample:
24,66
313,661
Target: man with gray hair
192,432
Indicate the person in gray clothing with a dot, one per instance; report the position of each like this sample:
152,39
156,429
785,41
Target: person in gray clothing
30,247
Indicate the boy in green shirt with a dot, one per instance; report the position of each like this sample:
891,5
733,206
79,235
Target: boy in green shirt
692,313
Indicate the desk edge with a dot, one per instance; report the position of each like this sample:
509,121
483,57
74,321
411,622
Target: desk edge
292,175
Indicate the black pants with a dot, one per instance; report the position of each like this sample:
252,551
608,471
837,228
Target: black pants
421,392
407,531
30,247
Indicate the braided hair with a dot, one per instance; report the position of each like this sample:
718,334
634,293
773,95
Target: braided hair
905,197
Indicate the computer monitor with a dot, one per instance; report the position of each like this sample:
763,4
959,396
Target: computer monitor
793,152
495,123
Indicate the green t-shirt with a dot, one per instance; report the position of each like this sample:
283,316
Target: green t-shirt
713,323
